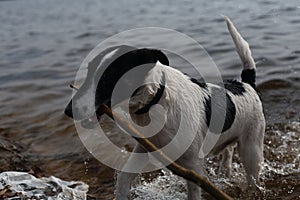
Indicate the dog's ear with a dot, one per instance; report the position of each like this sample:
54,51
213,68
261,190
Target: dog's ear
121,63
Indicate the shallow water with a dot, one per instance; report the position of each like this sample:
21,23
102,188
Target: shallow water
44,43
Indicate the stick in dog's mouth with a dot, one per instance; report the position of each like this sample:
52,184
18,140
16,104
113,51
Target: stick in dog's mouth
75,87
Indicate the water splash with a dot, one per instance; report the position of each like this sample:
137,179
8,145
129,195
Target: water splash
86,162
166,187
281,166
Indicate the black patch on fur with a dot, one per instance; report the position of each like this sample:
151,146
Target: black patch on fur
156,97
235,87
207,109
248,76
201,84
230,113
120,65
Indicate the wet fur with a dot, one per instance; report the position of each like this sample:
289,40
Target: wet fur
247,129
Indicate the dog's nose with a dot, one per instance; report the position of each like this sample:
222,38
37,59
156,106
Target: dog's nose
69,110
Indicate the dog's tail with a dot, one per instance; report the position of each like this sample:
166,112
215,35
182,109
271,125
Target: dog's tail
242,47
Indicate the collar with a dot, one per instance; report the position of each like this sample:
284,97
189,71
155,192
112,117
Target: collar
156,97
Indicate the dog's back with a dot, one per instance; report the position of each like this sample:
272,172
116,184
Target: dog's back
233,111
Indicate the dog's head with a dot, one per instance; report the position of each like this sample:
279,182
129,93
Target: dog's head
104,72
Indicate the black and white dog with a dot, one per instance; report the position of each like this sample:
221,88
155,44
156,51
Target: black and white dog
244,122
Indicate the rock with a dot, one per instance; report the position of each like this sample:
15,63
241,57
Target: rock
25,186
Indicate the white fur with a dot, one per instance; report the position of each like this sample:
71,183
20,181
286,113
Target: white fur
241,45
86,101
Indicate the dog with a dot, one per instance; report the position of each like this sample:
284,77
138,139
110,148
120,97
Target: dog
244,122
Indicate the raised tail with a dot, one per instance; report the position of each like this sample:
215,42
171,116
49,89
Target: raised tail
242,47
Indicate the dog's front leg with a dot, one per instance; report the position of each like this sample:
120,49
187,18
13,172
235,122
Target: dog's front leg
124,181
125,178
193,162
194,191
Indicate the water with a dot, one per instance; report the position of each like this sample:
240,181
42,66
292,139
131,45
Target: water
44,42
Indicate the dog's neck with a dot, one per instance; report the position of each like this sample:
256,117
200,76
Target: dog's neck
156,97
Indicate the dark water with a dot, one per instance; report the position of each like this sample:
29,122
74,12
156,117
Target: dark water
44,42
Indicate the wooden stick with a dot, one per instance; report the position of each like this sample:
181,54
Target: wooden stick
190,175
75,87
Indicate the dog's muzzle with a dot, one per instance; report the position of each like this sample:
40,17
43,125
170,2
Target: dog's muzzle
88,123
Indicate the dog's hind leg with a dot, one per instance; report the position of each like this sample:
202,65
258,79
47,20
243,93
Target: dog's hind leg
124,179
250,148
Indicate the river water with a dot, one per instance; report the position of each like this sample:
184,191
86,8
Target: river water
44,42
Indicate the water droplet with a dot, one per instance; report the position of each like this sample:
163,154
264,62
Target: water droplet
86,162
